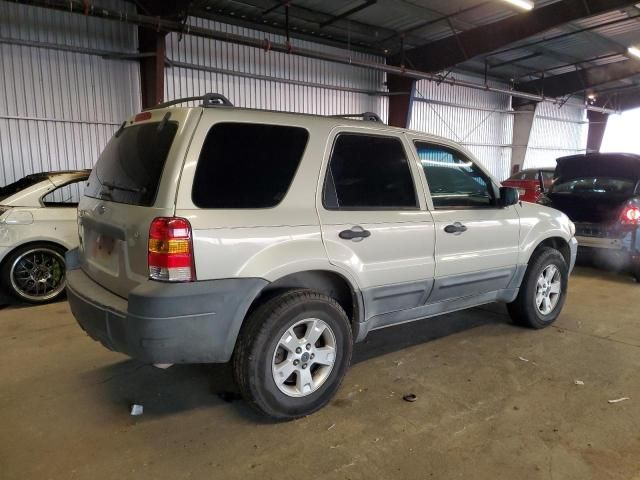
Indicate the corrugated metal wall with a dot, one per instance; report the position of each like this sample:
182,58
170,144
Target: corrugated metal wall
556,132
58,108
252,77
481,121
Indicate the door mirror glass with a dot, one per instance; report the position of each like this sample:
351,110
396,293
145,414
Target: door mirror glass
509,196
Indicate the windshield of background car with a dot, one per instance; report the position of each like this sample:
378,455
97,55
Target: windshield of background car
130,167
594,185
19,185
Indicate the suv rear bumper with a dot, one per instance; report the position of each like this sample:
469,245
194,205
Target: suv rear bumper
195,322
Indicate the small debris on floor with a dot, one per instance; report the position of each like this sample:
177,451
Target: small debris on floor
618,400
410,397
578,382
523,359
398,363
136,410
332,425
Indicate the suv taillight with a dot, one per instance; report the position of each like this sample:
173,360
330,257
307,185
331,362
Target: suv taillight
630,215
171,250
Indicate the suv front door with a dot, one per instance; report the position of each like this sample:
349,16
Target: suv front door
374,223
477,240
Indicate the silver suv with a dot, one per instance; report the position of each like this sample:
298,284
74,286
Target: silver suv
277,240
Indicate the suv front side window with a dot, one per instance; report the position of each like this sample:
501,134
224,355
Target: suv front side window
368,172
454,180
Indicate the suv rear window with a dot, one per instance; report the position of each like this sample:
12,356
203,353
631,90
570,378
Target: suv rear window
595,185
246,165
129,169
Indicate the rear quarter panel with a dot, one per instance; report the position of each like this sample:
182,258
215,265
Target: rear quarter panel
266,243
531,193
50,224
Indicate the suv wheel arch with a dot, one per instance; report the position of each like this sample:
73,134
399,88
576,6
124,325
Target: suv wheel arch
558,243
326,282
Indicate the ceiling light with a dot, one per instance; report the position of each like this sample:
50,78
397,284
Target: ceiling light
591,96
635,51
523,4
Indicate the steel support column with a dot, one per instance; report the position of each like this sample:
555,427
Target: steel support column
522,123
597,126
401,90
152,67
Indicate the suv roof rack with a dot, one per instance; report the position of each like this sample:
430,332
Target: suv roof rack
208,100
366,116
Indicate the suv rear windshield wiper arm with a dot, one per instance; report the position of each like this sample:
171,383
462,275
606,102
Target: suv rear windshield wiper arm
113,186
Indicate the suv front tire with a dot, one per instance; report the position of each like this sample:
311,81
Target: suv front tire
292,354
543,290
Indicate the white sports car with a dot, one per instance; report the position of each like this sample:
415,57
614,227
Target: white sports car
38,224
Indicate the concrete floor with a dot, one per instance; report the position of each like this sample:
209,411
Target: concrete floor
482,411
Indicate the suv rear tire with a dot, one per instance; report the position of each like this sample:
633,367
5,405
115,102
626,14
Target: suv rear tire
543,290
292,354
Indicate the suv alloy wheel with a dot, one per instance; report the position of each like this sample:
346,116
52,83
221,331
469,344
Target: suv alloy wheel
293,353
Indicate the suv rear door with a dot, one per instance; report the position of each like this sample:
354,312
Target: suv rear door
477,241
133,182
374,223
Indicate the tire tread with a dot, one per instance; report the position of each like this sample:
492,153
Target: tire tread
521,310
257,327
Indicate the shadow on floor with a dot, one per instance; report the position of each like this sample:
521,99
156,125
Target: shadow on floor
188,387
7,300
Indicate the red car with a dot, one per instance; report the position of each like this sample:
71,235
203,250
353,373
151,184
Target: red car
531,183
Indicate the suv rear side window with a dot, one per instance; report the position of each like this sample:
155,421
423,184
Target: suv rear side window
368,172
130,167
454,181
246,165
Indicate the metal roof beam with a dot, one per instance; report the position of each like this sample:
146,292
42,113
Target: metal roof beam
351,11
447,52
582,80
626,100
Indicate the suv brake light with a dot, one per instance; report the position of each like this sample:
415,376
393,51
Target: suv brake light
630,215
171,250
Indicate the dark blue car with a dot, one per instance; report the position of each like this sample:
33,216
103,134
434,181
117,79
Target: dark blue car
600,193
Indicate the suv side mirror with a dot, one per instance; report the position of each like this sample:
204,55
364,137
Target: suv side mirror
509,196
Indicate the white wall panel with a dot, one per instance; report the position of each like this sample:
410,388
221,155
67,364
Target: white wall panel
256,78
479,120
59,108
556,132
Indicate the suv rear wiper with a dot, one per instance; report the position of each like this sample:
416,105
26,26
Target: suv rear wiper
113,186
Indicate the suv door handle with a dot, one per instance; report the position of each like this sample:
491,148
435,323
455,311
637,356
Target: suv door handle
457,228
356,234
